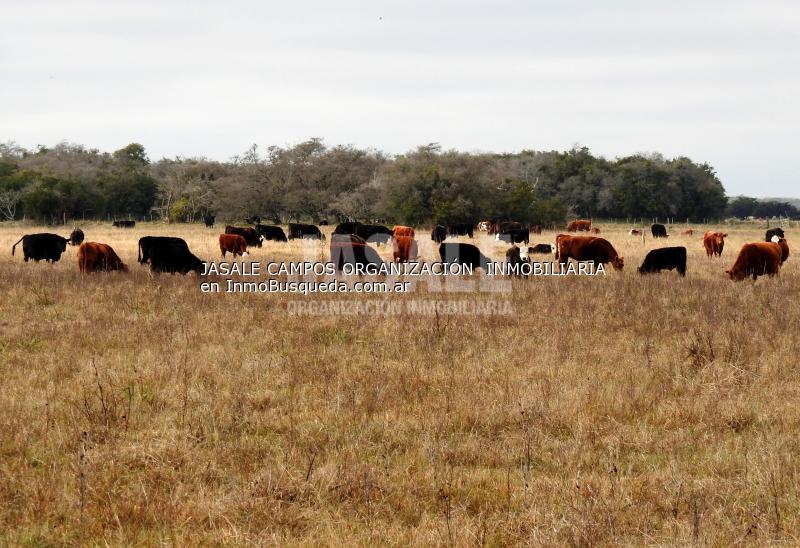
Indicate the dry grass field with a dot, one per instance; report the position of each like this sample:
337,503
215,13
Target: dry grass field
606,410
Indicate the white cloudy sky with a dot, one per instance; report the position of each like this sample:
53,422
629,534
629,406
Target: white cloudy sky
716,80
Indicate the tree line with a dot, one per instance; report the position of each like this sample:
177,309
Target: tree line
312,181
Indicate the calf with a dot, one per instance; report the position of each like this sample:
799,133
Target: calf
665,258
232,243
94,257
404,249
541,248
463,254
714,242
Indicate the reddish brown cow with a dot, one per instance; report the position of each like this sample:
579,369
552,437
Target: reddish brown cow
587,249
580,225
758,259
714,242
232,243
405,249
400,230
688,232
93,257
595,230
635,232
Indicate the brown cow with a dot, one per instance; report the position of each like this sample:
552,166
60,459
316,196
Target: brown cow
758,259
405,249
580,225
587,249
232,243
400,230
688,232
93,257
714,242
635,232
595,230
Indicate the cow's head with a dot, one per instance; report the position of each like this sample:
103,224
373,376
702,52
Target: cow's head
736,275
618,262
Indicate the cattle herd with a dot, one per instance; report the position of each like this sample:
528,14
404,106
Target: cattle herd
350,243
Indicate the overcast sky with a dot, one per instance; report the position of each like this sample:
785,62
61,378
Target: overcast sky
717,81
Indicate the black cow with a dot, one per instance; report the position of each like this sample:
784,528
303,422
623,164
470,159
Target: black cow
439,234
665,258
299,230
514,236
515,258
168,254
272,233
250,235
541,248
76,236
464,254
124,224
346,228
209,220
460,229
658,230
504,226
42,247
344,252
774,232
377,234
347,238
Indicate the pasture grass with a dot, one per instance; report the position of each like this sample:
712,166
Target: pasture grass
608,410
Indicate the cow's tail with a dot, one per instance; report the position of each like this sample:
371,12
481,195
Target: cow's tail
15,245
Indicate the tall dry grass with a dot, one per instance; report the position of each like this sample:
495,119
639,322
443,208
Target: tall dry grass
608,410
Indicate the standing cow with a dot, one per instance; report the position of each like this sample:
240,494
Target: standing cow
303,231
658,230
579,225
232,243
587,249
404,249
759,259
714,242
42,247
665,258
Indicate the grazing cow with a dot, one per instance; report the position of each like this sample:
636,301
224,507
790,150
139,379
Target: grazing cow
595,230
374,234
774,232
400,230
579,225
460,229
209,220
271,233
76,236
635,232
344,252
168,254
404,249
463,254
250,235
42,247
346,228
439,234
688,232
514,236
658,230
124,224
714,242
232,243
305,232
758,259
541,248
665,258
93,257
587,249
